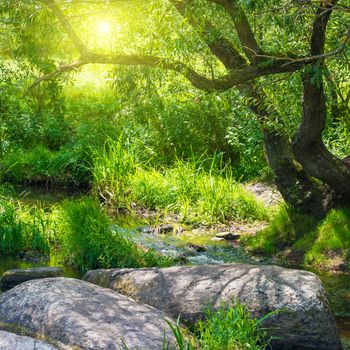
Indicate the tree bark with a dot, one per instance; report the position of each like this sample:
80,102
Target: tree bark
296,187
308,145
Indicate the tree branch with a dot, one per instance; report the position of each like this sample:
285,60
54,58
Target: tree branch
308,59
66,25
61,69
325,55
238,75
220,47
233,78
242,26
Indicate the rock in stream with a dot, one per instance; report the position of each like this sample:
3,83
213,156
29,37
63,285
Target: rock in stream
77,314
12,278
303,321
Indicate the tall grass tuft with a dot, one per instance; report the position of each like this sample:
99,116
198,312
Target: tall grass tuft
188,188
87,242
22,228
228,328
112,167
231,328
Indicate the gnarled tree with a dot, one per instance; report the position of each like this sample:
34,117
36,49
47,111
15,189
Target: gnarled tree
305,170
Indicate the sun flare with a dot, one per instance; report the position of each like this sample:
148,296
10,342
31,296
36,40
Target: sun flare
104,28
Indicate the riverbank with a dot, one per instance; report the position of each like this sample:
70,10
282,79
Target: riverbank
182,244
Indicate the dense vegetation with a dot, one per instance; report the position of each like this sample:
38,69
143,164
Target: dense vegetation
216,45
176,130
208,96
77,231
170,107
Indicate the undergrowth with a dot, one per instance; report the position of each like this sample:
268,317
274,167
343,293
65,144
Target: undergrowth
321,244
22,228
197,189
79,231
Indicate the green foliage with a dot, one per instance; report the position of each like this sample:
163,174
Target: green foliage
171,118
337,137
187,188
321,245
228,328
285,228
86,240
10,230
78,230
22,228
329,247
41,166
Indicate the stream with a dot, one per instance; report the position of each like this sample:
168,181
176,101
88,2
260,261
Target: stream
193,247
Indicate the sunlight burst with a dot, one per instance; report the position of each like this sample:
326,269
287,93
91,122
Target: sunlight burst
104,28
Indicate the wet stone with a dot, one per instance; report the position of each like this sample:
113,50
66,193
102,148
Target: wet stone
12,278
196,247
228,236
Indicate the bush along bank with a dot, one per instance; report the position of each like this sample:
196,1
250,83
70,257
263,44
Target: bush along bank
78,231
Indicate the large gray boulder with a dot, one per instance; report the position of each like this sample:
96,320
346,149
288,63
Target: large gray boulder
75,313
10,341
12,278
305,320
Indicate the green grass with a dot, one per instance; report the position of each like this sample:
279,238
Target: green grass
86,240
78,230
330,246
187,188
111,170
322,245
22,228
228,328
285,228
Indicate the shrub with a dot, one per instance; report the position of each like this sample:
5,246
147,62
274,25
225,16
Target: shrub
87,241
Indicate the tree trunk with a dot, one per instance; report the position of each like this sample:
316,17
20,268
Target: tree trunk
308,146
297,189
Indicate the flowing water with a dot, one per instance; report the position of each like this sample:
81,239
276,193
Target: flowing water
192,247
218,252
